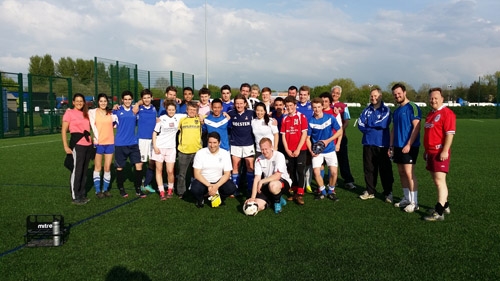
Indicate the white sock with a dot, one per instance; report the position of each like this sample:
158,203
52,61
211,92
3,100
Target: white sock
414,196
406,192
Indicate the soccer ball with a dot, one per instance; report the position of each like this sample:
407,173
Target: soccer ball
251,209
318,147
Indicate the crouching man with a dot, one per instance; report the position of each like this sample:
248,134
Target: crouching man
212,172
271,178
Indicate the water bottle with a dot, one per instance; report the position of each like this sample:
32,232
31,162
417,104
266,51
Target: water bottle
56,231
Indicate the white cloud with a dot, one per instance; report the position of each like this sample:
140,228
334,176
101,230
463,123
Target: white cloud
282,43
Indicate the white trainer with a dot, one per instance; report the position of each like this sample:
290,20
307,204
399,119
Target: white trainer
412,207
403,203
366,196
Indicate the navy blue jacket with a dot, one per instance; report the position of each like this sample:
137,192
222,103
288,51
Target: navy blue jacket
374,124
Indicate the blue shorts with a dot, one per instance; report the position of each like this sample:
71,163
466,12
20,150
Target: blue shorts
105,148
129,151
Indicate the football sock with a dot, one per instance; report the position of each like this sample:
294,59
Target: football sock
414,197
322,172
138,180
406,192
306,177
97,181
235,178
277,197
331,189
322,190
120,179
300,191
250,177
149,177
439,209
106,181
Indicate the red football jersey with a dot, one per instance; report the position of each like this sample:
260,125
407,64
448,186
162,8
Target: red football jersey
438,124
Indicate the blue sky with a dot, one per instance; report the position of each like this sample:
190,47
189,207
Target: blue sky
272,43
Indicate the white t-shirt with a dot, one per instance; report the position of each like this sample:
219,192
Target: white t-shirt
277,163
212,166
260,130
167,130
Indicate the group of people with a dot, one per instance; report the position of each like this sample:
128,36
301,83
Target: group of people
273,148
400,144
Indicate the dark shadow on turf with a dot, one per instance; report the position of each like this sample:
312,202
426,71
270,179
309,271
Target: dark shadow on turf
121,273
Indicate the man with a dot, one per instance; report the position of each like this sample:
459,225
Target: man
304,106
204,104
266,99
294,134
126,145
227,104
212,172
277,113
189,144
146,121
327,109
170,94
404,145
255,91
440,126
271,178
245,89
374,123
292,91
321,127
217,122
187,92
343,155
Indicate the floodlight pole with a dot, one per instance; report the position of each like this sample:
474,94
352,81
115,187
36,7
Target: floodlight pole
206,48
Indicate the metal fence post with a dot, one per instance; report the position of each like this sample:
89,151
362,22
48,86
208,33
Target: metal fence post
20,90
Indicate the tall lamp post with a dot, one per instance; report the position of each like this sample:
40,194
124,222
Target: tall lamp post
206,47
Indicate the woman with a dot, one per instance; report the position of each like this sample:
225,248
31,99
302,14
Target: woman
76,120
241,139
264,127
101,121
164,147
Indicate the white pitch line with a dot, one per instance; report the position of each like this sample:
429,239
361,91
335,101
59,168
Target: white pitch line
480,121
25,144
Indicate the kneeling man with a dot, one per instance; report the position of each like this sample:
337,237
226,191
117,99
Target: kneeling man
212,172
271,178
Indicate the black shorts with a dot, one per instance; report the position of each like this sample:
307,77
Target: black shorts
405,158
267,196
129,151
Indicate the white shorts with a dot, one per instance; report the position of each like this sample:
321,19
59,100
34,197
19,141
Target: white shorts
242,151
145,146
330,158
166,155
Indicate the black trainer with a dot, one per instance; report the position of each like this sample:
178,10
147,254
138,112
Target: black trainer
332,197
200,204
123,193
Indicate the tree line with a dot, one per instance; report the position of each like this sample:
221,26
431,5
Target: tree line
82,73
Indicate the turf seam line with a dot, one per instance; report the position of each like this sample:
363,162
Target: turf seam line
25,144
32,185
13,250
103,212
